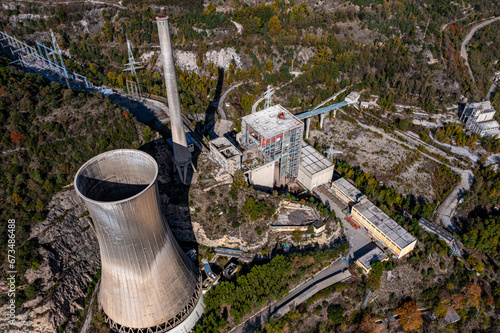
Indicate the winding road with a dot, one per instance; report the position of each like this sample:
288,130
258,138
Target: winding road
463,51
220,108
332,274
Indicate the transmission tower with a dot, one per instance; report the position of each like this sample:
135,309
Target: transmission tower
132,64
269,93
56,51
54,42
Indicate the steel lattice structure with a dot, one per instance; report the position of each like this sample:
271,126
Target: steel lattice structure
48,60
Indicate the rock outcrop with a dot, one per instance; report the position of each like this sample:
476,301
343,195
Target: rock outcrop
70,258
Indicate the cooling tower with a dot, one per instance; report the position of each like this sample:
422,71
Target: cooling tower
182,157
147,282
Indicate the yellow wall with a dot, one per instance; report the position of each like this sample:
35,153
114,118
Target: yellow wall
375,232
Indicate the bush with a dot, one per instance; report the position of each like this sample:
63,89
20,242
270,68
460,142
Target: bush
335,313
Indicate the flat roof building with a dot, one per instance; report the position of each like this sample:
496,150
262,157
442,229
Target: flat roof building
383,228
346,192
315,169
478,117
371,257
226,154
277,136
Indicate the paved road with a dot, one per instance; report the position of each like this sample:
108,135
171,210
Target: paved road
492,89
447,208
332,274
222,98
463,51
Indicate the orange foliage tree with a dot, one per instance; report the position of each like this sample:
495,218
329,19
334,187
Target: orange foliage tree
16,137
367,325
410,316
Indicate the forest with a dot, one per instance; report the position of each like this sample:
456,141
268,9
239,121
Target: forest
47,132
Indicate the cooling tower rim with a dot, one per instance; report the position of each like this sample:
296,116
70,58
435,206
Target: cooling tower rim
110,153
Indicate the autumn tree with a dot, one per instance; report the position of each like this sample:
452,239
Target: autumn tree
367,325
440,310
410,316
17,198
472,293
16,137
274,26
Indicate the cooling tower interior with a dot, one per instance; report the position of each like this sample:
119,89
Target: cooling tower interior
116,177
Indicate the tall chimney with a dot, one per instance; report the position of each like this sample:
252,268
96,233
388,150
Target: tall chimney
182,157
147,282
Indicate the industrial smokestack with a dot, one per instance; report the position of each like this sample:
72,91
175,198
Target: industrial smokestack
182,157
147,282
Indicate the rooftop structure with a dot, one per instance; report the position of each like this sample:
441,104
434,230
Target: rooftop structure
352,98
226,154
371,257
346,192
277,136
315,169
451,316
230,270
436,230
478,117
383,228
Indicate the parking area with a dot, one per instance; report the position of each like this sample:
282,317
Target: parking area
360,240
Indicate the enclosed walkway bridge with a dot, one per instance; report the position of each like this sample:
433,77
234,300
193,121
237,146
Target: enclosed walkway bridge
351,99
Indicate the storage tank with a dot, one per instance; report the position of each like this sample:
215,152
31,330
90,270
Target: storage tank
147,282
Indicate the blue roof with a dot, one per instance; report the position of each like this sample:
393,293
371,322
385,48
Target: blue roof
189,140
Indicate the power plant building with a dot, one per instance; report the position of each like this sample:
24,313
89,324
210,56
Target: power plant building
315,169
147,282
276,135
383,228
226,154
478,117
346,192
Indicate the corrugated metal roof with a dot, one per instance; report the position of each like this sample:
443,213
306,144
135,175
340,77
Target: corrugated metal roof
348,189
382,221
312,160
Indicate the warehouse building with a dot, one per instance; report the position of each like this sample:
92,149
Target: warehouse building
383,228
346,192
315,169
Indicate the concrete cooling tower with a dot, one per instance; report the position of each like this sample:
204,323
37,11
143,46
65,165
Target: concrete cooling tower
147,282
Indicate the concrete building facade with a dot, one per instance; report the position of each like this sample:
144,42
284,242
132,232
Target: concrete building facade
371,257
383,228
277,136
226,154
478,117
315,169
346,192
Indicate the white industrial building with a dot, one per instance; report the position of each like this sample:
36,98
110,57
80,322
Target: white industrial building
226,154
478,117
315,169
